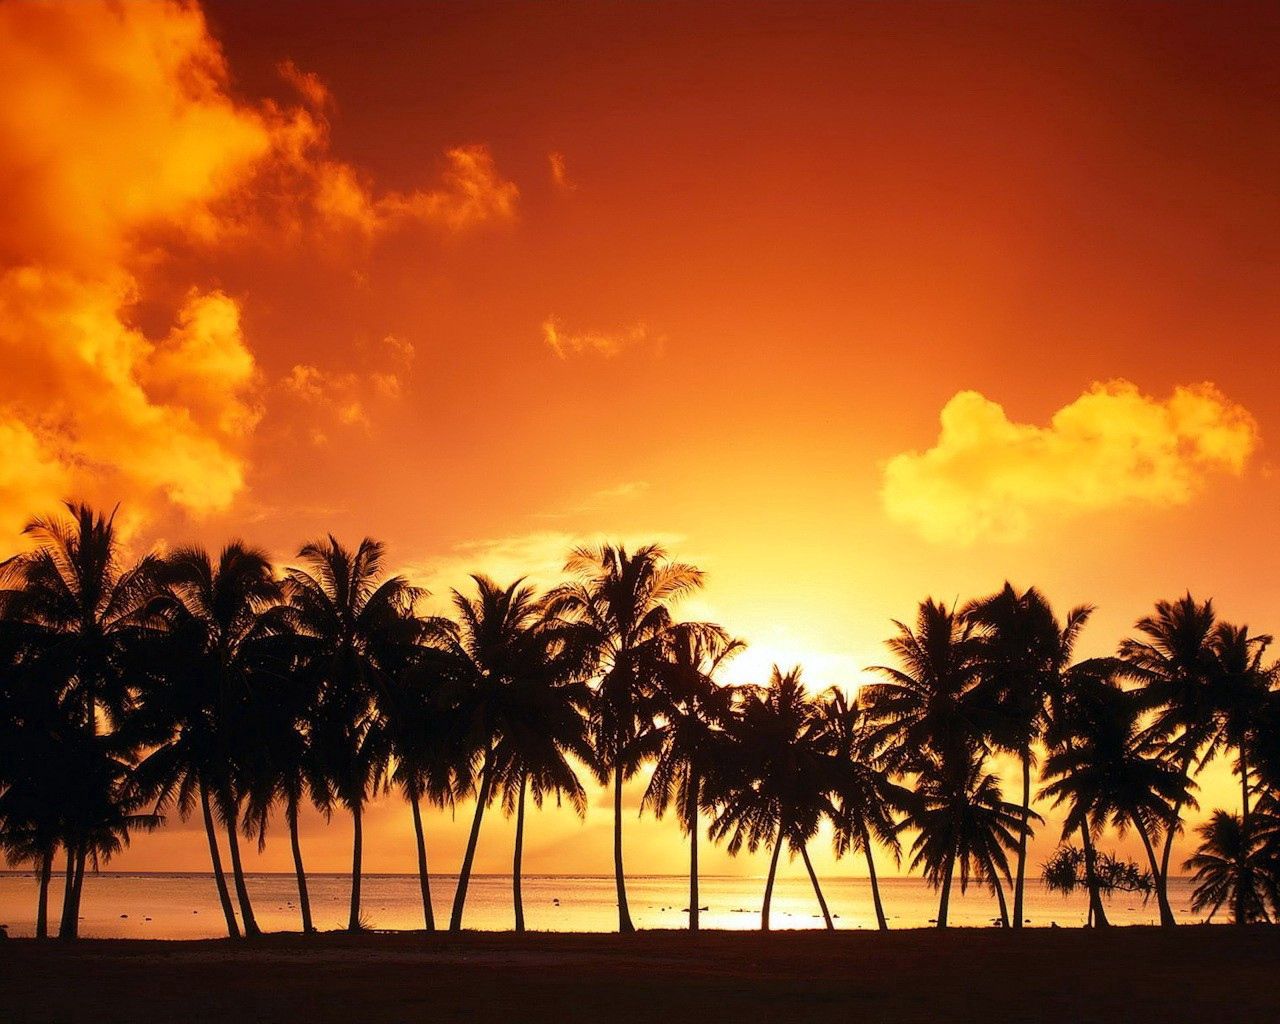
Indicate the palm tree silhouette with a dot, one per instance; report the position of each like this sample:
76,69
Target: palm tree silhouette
354,622
520,694
618,601
864,794
694,714
1232,865
963,821
74,591
1022,652
199,705
777,786
921,710
1116,773
1173,660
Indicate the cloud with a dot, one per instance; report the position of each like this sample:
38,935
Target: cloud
345,397
1113,447
119,141
560,172
603,343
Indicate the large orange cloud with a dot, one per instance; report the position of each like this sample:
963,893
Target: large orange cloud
117,132
989,477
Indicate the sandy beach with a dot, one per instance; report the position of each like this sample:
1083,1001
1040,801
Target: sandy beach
1049,975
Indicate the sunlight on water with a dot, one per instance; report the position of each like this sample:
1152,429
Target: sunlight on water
166,906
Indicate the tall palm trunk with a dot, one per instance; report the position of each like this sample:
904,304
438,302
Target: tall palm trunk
1097,913
67,924
237,871
817,889
944,901
1162,897
692,814
1246,882
875,883
516,897
1020,879
304,898
1162,876
1004,907
42,907
768,885
464,876
215,860
424,879
357,858
625,926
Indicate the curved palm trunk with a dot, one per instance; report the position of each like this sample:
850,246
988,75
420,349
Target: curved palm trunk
66,925
692,814
625,926
1097,913
875,883
215,860
817,889
304,898
1162,876
72,919
237,873
1020,879
768,885
357,858
1004,907
424,879
42,906
944,901
1162,898
464,876
516,896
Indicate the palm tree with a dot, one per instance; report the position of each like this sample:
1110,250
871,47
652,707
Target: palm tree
921,709
431,759
354,623
694,712
618,601
519,699
865,796
776,790
963,821
1230,864
1173,659
1116,773
74,590
202,707
1022,655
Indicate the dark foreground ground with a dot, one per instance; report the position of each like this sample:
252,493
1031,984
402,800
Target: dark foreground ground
1042,975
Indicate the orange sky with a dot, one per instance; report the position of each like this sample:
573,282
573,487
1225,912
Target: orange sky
482,282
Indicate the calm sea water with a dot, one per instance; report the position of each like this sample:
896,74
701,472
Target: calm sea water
171,906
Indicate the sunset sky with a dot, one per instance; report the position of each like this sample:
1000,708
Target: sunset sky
850,305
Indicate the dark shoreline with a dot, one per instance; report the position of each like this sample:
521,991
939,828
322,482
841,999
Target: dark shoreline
1190,973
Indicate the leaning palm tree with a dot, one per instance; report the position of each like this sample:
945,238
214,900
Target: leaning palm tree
75,589
1172,658
776,789
1241,683
201,702
694,714
1232,865
1022,655
963,822
1115,773
865,796
354,623
618,602
431,759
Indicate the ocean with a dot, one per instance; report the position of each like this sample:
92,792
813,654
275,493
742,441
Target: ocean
185,906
